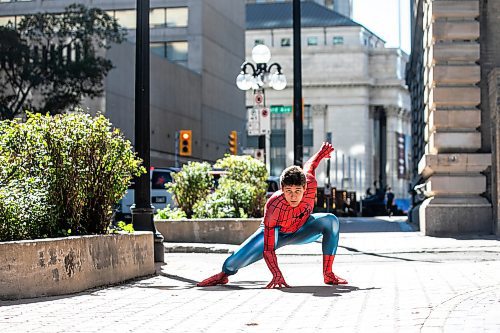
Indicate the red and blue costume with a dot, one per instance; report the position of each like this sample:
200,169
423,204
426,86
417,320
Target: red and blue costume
283,225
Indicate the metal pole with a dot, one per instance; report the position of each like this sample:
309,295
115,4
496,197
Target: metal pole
142,210
176,149
297,87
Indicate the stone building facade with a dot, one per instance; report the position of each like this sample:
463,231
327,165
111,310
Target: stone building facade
353,88
453,83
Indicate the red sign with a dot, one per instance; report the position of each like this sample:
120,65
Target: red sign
259,99
265,112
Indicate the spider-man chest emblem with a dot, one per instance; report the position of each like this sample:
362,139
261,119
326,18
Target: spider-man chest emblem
304,212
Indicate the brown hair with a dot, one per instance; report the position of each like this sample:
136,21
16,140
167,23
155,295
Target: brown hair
293,176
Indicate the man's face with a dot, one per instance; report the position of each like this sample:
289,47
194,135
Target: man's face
293,194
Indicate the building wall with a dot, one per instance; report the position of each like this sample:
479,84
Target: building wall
343,7
455,168
198,93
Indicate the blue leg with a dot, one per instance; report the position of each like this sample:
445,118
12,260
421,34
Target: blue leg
319,224
248,252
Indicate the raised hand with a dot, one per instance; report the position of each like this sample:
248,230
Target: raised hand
326,150
278,281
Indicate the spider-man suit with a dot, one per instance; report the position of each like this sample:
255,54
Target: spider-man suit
283,225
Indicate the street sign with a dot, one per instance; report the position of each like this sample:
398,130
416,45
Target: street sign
259,99
259,154
253,122
265,121
281,108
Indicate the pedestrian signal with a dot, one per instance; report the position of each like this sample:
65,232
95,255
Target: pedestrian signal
233,142
185,143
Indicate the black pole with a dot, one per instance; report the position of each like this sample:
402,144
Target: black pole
297,87
142,211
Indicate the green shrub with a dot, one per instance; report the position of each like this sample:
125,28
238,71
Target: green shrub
70,168
190,185
241,192
168,213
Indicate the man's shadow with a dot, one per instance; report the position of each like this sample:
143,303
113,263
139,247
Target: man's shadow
324,291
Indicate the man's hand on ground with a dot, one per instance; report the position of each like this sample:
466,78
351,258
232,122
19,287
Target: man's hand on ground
277,282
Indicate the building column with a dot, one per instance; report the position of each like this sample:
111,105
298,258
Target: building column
494,99
453,168
397,122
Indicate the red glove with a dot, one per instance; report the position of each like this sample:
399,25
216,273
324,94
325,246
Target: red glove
278,280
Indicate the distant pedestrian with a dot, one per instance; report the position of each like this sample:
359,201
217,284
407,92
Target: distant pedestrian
288,220
389,201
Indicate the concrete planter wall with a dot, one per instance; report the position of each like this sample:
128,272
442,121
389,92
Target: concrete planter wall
60,266
225,231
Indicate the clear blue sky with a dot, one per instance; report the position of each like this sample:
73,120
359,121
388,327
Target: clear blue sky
381,17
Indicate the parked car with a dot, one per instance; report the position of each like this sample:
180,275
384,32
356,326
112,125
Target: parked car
160,197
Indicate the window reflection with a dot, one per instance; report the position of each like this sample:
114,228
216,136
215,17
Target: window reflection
126,18
173,51
157,17
177,17
177,51
7,21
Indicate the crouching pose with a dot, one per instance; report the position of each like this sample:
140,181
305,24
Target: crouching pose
288,220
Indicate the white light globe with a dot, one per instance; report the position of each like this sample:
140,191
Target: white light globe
278,81
243,82
261,54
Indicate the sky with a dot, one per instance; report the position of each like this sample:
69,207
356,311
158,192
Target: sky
381,17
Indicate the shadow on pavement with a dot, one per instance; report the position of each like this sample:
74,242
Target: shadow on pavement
351,249
324,291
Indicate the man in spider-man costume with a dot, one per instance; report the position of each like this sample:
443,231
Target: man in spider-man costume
288,220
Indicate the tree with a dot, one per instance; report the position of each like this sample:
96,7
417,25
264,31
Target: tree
52,60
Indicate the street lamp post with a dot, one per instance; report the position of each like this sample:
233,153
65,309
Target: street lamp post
259,75
142,210
297,87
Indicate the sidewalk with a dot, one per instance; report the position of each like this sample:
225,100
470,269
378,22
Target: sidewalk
398,282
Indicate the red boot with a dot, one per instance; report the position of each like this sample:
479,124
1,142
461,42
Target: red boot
220,278
328,275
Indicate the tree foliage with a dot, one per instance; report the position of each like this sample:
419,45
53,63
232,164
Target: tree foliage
51,60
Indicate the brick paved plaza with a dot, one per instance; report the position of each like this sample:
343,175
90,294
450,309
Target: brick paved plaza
398,282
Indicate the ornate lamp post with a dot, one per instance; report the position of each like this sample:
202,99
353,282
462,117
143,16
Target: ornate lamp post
259,75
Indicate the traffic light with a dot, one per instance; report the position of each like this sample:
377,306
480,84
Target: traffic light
233,142
185,142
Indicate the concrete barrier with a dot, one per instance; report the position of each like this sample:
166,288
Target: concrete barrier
225,231
57,266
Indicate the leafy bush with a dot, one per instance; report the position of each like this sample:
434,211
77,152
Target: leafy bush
66,171
190,185
241,192
170,214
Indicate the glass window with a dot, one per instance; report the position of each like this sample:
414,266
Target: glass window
338,40
258,42
160,179
177,17
7,21
285,42
278,120
158,49
311,41
126,18
278,160
177,51
157,17
307,122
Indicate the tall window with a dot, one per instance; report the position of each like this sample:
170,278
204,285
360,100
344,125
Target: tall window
278,160
307,122
278,121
